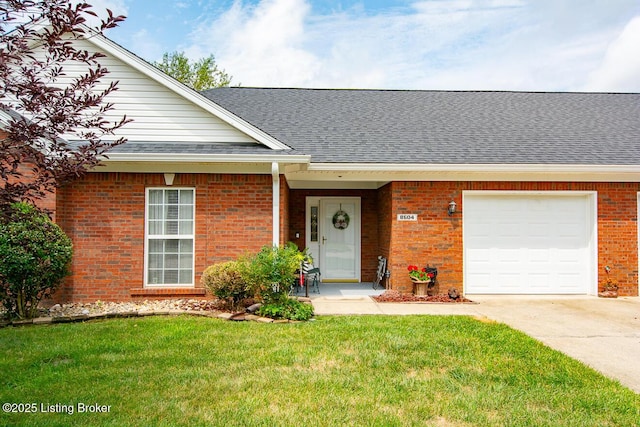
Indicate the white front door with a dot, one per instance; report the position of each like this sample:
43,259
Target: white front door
333,237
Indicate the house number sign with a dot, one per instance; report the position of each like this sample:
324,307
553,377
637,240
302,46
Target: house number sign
407,217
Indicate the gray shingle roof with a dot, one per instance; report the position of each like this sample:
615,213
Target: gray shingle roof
141,147
438,127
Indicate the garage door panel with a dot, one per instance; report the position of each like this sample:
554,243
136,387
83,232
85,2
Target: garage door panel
569,279
482,280
538,230
539,280
527,244
569,256
508,256
539,256
481,256
507,230
508,281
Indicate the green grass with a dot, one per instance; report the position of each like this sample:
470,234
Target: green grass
366,370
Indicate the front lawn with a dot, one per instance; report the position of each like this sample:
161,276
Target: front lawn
351,370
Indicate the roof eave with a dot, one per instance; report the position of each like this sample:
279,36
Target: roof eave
205,158
383,173
476,167
301,173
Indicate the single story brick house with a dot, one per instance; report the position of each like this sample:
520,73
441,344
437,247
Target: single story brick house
545,185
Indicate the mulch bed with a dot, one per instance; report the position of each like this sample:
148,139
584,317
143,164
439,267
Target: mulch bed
394,296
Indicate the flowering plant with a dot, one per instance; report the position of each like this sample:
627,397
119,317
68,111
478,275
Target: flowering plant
419,275
610,284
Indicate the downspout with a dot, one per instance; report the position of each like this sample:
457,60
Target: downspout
275,173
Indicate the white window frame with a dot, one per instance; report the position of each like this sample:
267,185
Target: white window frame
149,237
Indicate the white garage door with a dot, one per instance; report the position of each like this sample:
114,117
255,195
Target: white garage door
528,243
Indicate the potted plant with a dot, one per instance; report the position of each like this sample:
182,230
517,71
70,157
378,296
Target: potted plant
423,280
610,286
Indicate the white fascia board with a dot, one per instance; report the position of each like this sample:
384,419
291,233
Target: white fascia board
204,158
186,92
417,167
483,172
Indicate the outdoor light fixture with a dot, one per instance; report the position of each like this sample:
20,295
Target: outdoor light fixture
452,208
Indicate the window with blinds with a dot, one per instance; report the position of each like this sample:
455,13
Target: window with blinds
170,236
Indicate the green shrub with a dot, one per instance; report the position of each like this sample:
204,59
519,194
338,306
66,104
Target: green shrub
34,259
287,309
267,275
226,281
272,271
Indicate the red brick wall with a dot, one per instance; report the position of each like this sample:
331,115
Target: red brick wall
296,219
234,215
618,234
436,238
48,202
104,215
385,221
385,209
370,235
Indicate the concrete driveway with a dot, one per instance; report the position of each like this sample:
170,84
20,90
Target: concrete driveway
602,333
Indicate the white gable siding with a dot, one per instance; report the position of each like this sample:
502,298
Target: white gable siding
158,113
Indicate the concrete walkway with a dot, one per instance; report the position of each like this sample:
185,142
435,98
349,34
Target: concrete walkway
602,333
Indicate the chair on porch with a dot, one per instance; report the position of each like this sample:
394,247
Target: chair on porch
311,277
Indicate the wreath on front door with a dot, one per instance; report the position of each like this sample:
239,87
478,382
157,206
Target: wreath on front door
341,219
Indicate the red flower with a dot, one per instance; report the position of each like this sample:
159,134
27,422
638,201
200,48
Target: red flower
419,274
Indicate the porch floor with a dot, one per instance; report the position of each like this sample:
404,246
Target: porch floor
343,290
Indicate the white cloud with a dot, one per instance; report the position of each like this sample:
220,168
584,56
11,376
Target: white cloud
118,7
620,68
279,43
429,44
140,41
420,48
145,45
261,45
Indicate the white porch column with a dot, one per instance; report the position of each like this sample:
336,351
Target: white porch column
275,173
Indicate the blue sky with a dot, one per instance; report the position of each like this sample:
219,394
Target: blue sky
538,45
